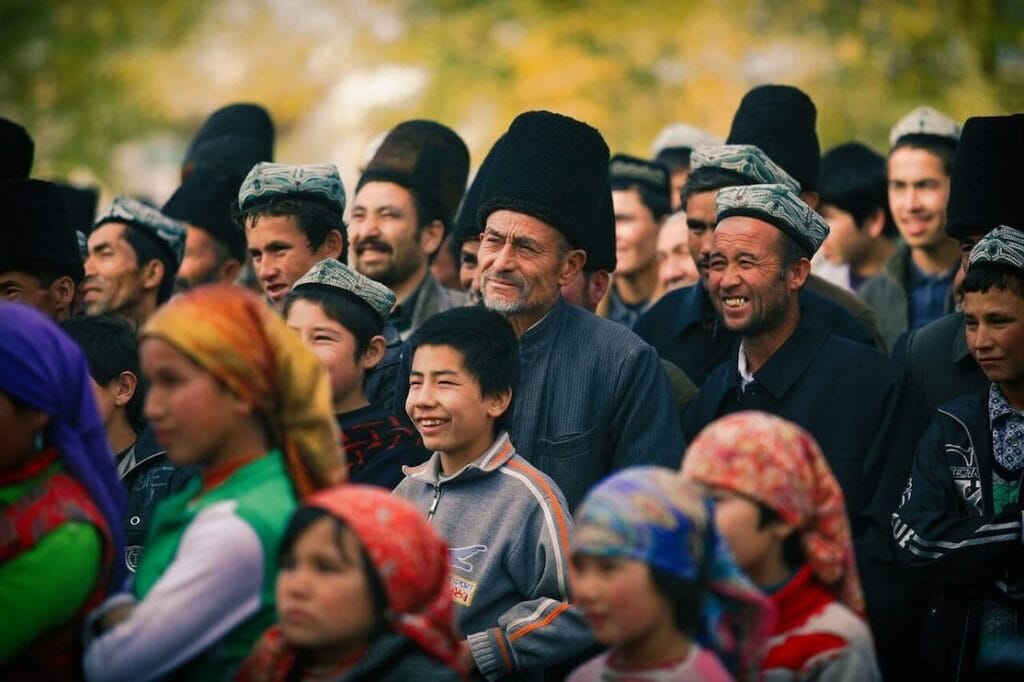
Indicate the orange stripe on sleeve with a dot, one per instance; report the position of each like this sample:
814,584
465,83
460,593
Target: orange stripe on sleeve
539,624
505,656
563,525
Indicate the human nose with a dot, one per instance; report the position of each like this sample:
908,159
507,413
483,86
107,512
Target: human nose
294,581
265,267
982,337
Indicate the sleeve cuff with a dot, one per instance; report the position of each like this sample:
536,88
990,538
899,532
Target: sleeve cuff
92,620
492,653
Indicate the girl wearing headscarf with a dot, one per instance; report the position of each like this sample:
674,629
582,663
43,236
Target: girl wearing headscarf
60,499
658,586
233,390
363,593
782,513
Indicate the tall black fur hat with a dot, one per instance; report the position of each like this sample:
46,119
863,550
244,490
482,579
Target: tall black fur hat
781,119
37,233
553,168
17,150
985,185
600,245
237,136
466,227
81,203
427,158
204,200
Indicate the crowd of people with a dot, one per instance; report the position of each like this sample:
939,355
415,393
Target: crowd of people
738,410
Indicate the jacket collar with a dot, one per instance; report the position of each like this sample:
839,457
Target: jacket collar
142,450
496,456
692,307
789,362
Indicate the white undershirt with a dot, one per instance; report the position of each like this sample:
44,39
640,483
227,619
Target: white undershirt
746,376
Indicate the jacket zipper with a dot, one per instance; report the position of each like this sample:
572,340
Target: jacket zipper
433,503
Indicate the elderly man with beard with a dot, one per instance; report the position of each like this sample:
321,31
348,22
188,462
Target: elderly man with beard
593,397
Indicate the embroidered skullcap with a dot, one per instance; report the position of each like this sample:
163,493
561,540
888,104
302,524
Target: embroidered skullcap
625,170
745,161
682,136
1002,248
780,120
777,205
984,186
779,464
924,121
168,233
427,158
333,273
650,514
267,182
37,232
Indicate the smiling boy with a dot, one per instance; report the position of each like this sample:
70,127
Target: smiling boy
505,521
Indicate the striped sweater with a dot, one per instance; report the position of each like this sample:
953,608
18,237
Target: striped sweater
509,532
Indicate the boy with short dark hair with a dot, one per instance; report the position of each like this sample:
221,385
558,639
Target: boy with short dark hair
112,352
959,524
340,315
505,521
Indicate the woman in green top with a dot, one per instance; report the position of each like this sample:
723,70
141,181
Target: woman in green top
233,390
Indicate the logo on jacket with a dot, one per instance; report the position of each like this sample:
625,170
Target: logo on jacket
458,557
965,476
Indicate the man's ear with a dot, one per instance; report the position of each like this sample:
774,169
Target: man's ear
572,263
152,274
498,404
874,224
430,237
597,286
62,292
127,383
797,274
229,270
374,352
331,248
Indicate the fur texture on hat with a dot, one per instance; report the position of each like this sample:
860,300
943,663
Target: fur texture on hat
17,151
553,168
781,119
238,136
466,227
37,232
204,200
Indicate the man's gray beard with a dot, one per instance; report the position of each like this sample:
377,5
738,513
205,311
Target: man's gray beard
503,305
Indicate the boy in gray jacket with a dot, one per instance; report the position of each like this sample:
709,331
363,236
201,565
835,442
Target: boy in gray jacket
505,522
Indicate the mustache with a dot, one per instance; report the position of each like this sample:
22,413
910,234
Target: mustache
372,243
513,278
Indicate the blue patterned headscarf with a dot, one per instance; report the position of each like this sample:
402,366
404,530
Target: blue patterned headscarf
43,368
650,514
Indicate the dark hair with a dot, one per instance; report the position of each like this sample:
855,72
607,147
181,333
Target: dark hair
147,249
942,147
345,308
792,550
658,203
982,277
110,347
792,251
686,596
489,348
314,219
302,519
853,179
674,157
708,178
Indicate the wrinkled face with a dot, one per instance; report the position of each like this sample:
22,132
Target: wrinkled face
324,602
281,254
387,244
193,415
675,264
522,263
24,287
636,233
745,279
619,599
700,221
446,404
995,333
468,264
738,519
332,343
201,262
846,242
918,192
113,277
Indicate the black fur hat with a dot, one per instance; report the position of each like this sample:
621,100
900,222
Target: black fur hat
204,200
17,151
37,232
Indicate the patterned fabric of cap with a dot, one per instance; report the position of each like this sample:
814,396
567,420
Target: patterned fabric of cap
626,170
682,136
333,273
777,205
744,160
269,181
167,232
1003,246
925,121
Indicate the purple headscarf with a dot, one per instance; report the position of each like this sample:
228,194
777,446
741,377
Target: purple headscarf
42,367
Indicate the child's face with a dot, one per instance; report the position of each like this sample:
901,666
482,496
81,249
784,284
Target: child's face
738,519
447,407
332,343
995,333
324,602
194,416
619,599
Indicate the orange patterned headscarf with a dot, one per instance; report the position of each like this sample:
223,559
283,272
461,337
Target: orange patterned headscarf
780,465
235,337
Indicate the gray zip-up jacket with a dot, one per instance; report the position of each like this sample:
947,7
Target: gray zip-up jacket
509,533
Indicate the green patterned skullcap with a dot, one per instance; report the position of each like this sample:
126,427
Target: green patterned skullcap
744,161
925,121
333,273
1002,247
777,205
269,181
168,233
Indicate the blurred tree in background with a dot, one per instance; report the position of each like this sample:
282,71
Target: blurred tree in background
112,89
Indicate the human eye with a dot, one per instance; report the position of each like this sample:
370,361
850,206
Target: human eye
716,263
11,293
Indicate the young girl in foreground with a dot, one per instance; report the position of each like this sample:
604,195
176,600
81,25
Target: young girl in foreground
362,594
233,390
658,585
